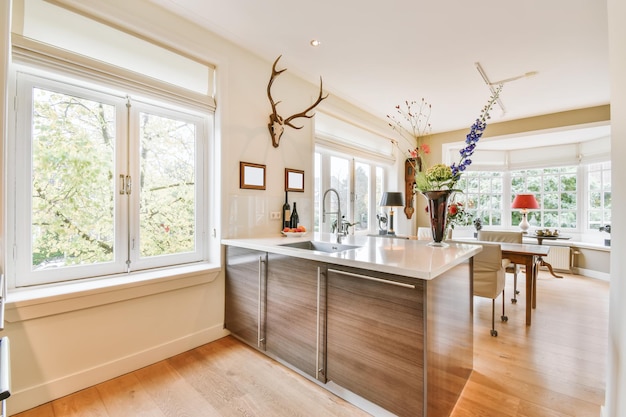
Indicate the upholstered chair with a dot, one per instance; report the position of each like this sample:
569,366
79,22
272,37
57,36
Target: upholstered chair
488,278
507,237
424,233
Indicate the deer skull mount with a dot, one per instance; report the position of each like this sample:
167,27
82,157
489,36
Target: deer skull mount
277,123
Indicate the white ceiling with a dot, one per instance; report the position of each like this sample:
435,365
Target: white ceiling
379,54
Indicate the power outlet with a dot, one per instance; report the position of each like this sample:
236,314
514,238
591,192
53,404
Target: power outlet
275,215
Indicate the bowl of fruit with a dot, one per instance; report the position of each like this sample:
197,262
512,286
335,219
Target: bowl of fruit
294,231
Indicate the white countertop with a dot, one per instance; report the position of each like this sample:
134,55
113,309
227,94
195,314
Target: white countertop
412,258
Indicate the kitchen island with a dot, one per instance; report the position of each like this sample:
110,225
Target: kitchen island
383,323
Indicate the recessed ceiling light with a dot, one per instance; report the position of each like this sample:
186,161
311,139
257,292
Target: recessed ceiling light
315,42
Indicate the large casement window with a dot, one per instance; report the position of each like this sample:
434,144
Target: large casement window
572,182
108,169
359,184
355,162
556,190
599,195
483,194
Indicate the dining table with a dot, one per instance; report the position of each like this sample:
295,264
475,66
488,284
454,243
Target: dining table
540,239
528,255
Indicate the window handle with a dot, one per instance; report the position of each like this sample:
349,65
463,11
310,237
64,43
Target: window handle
125,184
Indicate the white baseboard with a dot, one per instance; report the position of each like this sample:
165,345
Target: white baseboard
50,390
593,274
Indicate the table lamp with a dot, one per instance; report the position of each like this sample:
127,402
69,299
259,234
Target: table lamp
524,202
393,199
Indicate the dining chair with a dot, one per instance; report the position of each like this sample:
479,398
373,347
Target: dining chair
488,278
424,233
507,237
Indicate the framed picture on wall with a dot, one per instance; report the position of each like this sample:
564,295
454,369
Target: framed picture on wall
251,176
294,180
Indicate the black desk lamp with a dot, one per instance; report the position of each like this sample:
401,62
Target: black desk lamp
391,200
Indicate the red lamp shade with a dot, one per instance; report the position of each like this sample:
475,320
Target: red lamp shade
525,201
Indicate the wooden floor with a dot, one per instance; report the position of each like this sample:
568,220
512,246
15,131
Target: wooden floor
556,367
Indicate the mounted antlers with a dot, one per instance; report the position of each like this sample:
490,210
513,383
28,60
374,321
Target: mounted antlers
277,124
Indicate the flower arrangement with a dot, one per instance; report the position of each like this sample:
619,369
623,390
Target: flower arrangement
412,124
478,224
457,215
445,177
439,181
606,228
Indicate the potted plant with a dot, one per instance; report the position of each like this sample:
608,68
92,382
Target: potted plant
606,228
478,224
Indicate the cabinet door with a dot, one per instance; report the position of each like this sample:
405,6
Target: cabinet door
375,337
295,316
245,294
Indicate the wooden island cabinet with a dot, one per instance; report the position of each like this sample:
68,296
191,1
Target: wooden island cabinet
245,300
375,345
390,343
295,313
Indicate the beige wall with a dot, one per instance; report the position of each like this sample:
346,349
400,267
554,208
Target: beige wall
597,261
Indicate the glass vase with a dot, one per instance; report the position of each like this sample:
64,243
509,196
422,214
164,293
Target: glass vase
438,211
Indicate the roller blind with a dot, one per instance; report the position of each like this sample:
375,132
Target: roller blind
596,150
336,134
52,37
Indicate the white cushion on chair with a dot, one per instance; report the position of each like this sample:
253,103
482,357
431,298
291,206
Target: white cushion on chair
424,233
488,271
502,236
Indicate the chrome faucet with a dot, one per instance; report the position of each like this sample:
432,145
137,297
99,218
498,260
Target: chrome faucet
340,229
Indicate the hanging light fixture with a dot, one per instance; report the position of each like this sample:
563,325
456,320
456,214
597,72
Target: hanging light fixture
490,84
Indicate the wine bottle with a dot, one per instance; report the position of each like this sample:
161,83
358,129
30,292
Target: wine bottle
286,213
294,217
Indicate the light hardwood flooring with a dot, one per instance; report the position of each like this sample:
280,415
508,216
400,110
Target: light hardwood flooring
555,367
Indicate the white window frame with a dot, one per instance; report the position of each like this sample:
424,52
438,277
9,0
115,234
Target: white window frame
582,196
201,163
18,173
539,195
604,169
19,176
466,197
325,154
55,42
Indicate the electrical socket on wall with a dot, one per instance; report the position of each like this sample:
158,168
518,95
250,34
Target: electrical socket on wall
275,215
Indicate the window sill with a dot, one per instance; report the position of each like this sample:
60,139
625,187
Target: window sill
45,300
575,244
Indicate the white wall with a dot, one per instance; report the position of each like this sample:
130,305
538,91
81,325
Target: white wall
615,404
69,343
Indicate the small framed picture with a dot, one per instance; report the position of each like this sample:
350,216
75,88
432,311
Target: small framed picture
251,176
294,180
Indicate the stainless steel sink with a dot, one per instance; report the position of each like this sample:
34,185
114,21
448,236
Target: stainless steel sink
320,246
